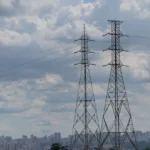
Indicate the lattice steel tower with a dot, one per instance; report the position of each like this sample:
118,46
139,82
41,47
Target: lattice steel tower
86,124
117,126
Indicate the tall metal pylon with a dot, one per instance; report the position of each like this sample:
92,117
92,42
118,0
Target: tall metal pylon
117,126
86,124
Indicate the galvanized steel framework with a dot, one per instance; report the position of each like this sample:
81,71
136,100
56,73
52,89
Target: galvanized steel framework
117,126
86,126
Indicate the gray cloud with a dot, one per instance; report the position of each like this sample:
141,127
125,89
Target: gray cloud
43,91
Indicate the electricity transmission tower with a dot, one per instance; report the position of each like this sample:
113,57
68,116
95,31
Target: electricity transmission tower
117,126
86,125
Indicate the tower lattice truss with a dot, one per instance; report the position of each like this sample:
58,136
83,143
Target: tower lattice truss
117,126
86,125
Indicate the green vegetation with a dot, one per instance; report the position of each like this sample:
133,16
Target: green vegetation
58,146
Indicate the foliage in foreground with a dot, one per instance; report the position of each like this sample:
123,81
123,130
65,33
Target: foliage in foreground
58,146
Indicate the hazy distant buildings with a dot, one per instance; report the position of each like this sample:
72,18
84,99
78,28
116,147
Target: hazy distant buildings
43,143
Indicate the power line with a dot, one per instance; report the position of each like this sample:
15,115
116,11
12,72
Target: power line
134,36
47,62
5,86
130,52
33,60
39,75
106,71
30,61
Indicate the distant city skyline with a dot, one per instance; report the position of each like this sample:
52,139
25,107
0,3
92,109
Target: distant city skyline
60,134
43,143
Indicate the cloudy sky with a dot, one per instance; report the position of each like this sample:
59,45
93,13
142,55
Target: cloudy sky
38,81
